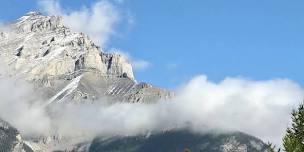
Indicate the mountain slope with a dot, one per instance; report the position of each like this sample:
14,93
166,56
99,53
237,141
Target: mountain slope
178,141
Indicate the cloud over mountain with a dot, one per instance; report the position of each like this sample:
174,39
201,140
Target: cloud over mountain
98,20
260,108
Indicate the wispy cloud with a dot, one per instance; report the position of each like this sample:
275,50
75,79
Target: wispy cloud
16,106
140,64
98,20
137,64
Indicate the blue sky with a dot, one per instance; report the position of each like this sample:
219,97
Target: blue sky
256,39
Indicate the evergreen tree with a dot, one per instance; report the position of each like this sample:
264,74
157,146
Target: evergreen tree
294,138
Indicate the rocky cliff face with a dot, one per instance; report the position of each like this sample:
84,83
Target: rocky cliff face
68,65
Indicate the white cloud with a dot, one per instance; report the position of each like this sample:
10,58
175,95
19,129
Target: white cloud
16,106
98,21
260,108
3,27
51,7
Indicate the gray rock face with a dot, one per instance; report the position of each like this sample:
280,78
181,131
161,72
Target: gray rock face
67,65
10,139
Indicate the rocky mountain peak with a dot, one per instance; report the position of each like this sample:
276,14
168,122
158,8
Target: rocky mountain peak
33,13
42,46
36,21
69,64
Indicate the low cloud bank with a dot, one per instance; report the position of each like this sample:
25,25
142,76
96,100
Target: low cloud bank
260,108
19,106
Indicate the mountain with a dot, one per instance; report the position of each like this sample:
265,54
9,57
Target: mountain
179,141
67,67
10,139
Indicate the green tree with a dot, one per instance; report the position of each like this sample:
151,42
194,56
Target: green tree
293,141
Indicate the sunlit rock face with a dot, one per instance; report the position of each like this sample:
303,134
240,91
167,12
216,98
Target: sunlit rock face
67,65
